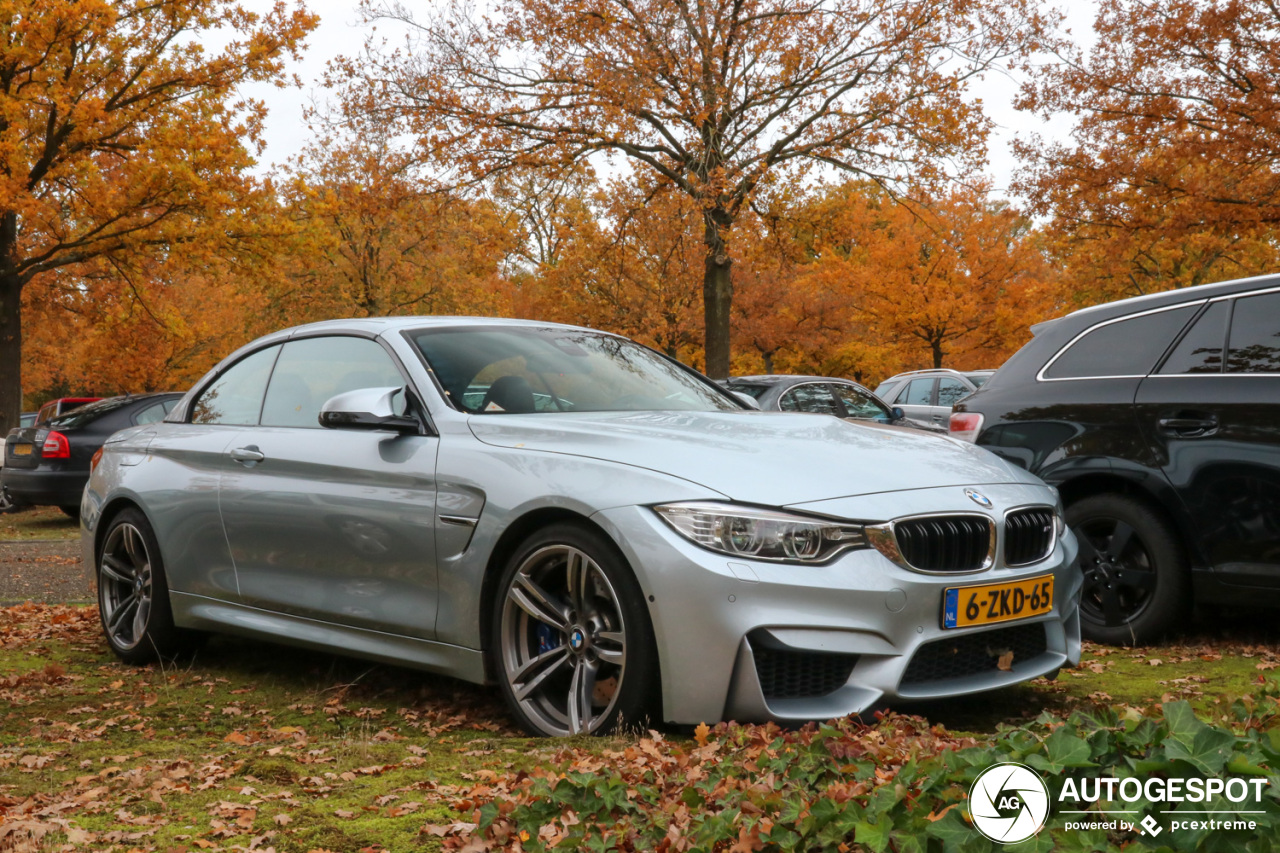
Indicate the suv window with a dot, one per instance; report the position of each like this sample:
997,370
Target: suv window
918,393
1255,335
860,405
235,397
810,398
950,390
312,370
1200,350
1128,347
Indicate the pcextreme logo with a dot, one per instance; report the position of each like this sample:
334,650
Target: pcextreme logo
1008,803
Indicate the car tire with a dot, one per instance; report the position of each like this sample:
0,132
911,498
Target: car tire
1137,585
133,593
571,641
71,512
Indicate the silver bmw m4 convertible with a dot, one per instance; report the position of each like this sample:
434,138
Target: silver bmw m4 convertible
604,533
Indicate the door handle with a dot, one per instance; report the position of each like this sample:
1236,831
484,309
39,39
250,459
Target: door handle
248,455
1189,426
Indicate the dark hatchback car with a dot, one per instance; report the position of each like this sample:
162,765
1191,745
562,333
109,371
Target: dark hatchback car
1158,419
47,464
839,397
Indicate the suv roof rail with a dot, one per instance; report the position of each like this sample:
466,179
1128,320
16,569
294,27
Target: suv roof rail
932,370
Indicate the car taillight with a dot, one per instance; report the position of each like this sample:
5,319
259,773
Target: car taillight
965,426
97,457
56,446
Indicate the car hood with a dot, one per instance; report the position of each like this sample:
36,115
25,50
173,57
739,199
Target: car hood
771,458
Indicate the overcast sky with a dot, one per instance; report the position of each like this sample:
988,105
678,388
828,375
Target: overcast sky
342,32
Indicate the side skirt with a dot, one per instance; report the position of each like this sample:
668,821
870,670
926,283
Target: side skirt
207,614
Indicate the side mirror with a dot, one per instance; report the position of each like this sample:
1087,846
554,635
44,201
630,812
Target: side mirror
897,413
746,399
370,408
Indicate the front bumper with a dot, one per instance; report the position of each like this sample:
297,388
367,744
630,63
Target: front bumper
754,641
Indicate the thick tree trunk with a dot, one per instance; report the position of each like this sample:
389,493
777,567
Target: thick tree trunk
717,293
10,325
10,352
937,354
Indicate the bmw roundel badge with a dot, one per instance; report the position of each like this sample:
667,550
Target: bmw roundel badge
979,498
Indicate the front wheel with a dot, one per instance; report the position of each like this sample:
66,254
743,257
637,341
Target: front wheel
1136,582
572,643
133,593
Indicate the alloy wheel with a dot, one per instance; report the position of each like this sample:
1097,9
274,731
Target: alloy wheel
1119,574
563,641
125,582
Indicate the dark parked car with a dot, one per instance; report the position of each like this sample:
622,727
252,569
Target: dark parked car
1158,418
48,463
838,397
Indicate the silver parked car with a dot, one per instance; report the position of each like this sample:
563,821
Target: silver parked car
821,395
603,532
928,395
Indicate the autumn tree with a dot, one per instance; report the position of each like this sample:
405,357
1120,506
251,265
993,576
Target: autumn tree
633,267
119,130
1171,176
135,322
712,97
954,283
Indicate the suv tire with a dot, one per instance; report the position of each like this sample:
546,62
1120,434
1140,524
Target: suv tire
1137,584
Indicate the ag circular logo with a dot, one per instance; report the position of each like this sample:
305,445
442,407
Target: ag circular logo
1008,803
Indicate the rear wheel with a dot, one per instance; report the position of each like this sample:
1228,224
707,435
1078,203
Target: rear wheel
1136,582
572,643
133,594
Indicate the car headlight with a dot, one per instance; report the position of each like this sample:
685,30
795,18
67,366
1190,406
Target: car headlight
761,534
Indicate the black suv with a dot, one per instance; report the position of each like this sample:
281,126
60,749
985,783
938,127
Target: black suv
1158,419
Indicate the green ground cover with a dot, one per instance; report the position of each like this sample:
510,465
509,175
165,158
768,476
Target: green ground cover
253,746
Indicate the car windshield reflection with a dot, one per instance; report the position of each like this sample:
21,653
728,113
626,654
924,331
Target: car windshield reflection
522,370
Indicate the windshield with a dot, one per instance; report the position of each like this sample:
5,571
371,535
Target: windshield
517,370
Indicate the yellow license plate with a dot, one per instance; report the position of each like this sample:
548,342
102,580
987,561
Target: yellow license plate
22,449
963,606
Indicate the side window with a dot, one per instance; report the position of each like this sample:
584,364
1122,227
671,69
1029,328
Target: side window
918,393
860,405
1255,335
1200,350
153,413
235,397
951,390
312,370
810,398
1128,347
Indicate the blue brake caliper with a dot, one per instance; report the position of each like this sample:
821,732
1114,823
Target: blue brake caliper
548,638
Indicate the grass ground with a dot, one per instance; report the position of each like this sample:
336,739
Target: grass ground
43,522
255,746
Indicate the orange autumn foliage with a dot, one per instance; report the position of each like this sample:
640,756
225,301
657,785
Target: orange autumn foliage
1171,176
713,101
119,134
